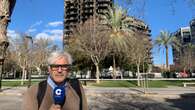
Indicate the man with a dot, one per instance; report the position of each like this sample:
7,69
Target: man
59,67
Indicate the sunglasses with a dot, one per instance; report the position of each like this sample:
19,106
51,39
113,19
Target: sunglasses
63,67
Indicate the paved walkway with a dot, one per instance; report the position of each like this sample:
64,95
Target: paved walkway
117,90
17,91
173,98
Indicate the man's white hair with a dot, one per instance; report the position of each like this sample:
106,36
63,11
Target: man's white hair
58,54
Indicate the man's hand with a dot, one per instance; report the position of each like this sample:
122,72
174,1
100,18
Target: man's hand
55,107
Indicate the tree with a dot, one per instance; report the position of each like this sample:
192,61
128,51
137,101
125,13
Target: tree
139,52
120,34
90,40
81,60
6,8
28,53
166,40
187,57
21,49
41,49
190,53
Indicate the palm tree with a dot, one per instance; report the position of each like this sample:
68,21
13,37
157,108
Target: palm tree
120,34
166,40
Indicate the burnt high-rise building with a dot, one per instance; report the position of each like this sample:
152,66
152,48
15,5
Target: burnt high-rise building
78,11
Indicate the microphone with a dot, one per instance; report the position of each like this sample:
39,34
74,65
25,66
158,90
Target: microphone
59,95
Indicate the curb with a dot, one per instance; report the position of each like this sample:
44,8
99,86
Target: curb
175,96
11,94
138,94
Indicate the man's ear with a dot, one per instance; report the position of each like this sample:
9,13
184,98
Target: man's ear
49,69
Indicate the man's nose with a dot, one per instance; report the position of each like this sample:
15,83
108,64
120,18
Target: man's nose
60,69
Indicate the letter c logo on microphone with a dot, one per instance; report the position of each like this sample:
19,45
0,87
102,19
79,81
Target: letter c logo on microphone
58,92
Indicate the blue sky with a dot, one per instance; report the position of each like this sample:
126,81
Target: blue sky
160,15
44,18
38,18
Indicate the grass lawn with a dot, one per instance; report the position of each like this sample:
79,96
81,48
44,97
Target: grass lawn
160,84
113,84
16,83
178,83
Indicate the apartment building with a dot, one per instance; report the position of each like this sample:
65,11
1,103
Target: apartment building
186,36
78,11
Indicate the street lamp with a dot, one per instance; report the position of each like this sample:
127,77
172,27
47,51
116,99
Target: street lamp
3,48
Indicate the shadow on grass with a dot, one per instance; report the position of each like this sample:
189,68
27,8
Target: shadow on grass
185,102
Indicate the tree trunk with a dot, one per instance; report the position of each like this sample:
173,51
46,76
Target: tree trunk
121,75
138,72
96,63
143,68
23,76
97,73
190,62
1,71
138,75
114,67
167,58
38,70
3,30
14,71
6,7
4,14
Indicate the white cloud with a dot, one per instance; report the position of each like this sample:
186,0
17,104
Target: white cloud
57,31
54,31
12,34
55,24
42,35
31,30
56,35
36,24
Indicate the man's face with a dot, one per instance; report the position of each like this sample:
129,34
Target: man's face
59,70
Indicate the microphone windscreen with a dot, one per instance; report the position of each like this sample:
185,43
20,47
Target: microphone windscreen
59,95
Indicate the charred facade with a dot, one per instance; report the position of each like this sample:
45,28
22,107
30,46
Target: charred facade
138,26
78,11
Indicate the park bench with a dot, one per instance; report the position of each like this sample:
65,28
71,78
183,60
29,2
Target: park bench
188,83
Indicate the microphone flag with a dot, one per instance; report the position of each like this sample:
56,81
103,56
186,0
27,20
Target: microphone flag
59,95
